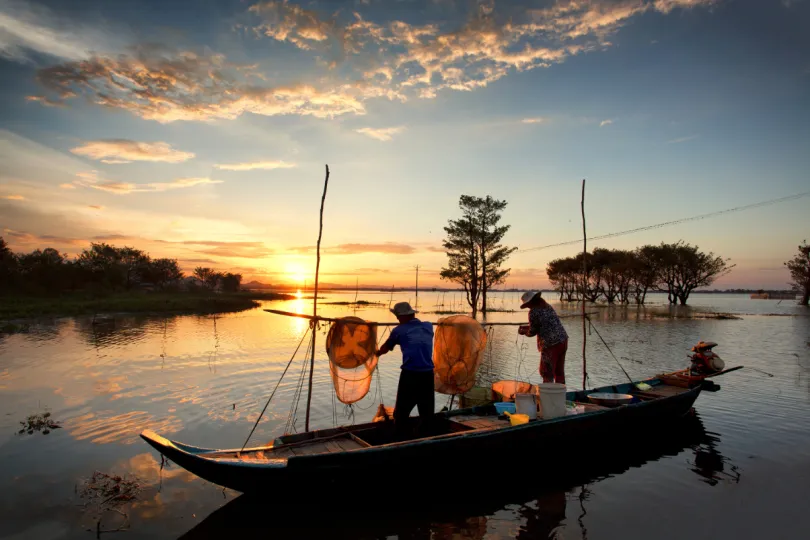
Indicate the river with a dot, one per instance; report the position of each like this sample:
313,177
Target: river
740,467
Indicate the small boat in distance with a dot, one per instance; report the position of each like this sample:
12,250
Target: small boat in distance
347,455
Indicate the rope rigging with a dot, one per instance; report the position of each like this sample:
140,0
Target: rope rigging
273,393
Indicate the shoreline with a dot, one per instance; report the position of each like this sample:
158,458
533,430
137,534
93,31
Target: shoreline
27,309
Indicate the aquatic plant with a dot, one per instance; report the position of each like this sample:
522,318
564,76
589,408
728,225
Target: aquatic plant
38,422
104,493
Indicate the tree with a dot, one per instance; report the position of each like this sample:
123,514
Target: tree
644,272
799,267
231,282
161,272
8,266
44,270
474,250
463,265
492,253
207,276
692,269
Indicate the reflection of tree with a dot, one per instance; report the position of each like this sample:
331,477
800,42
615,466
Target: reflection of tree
102,333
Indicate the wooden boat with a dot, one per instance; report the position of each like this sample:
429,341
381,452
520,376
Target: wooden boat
343,456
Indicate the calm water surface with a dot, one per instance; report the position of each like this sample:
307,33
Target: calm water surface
740,468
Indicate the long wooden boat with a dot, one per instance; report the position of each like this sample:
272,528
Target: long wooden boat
333,457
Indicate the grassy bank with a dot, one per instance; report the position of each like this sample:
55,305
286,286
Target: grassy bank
26,307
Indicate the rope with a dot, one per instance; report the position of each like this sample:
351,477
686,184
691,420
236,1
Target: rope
590,324
674,222
273,393
291,418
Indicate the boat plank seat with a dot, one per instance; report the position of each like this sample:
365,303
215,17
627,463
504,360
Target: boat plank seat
660,391
480,422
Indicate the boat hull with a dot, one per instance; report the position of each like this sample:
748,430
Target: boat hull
412,462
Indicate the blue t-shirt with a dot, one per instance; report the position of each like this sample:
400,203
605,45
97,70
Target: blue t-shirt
415,338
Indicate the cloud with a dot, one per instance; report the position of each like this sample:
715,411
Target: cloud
236,252
381,134
45,101
30,239
355,249
683,139
604,123
67,186
123,151
12,197
249,166
26,28
165,85
91,180
535,120
396,60
96,207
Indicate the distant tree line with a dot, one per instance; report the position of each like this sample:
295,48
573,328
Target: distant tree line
101,267
625,276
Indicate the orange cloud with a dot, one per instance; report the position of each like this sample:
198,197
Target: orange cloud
354,249
96,207
12,197
67,186
124,151
91,180
249,166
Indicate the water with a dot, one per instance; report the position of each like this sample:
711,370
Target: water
740,469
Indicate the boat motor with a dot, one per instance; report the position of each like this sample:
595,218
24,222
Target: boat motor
704,360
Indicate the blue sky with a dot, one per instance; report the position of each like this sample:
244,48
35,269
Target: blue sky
200,130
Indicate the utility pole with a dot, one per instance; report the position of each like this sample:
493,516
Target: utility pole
417,285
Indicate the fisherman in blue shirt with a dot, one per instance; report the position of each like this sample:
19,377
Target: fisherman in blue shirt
415,338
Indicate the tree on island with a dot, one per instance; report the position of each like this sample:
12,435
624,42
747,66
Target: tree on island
799,267
474,250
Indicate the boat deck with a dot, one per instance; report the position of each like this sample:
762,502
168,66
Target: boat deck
334,441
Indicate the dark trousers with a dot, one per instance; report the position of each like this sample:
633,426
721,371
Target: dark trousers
415,389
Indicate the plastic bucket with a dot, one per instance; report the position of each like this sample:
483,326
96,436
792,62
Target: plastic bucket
526,404
552,398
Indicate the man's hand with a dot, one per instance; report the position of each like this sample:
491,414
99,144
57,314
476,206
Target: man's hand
523,330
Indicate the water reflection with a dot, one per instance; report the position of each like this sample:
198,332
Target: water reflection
535,503
711,465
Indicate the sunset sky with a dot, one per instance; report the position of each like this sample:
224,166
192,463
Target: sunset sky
200,129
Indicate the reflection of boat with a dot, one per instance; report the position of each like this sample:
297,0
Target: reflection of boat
333,456
540,497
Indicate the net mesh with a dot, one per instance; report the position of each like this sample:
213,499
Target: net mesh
458,350
351,345
506,390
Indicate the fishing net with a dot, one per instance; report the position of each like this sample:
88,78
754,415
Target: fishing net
506,390
351,345
458,350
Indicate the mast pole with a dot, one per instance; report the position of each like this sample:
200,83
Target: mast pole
584,287
315,300
417,285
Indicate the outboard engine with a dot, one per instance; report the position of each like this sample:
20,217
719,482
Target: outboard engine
704,360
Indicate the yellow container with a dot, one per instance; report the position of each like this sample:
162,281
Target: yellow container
517,419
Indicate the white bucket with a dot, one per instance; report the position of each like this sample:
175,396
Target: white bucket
552,399
526,404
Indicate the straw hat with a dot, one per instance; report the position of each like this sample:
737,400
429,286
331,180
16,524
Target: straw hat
403,308
528,296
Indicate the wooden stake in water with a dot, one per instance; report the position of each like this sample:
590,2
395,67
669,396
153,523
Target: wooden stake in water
315,300
417,286
584,287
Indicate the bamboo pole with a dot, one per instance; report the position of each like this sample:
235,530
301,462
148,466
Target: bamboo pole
374,323
315,300
584,288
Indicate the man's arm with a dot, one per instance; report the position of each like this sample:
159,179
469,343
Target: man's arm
389,344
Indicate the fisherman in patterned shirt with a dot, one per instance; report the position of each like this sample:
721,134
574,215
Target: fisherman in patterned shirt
552,340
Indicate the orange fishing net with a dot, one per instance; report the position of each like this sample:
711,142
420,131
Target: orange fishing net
458,350
351,345
506,390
